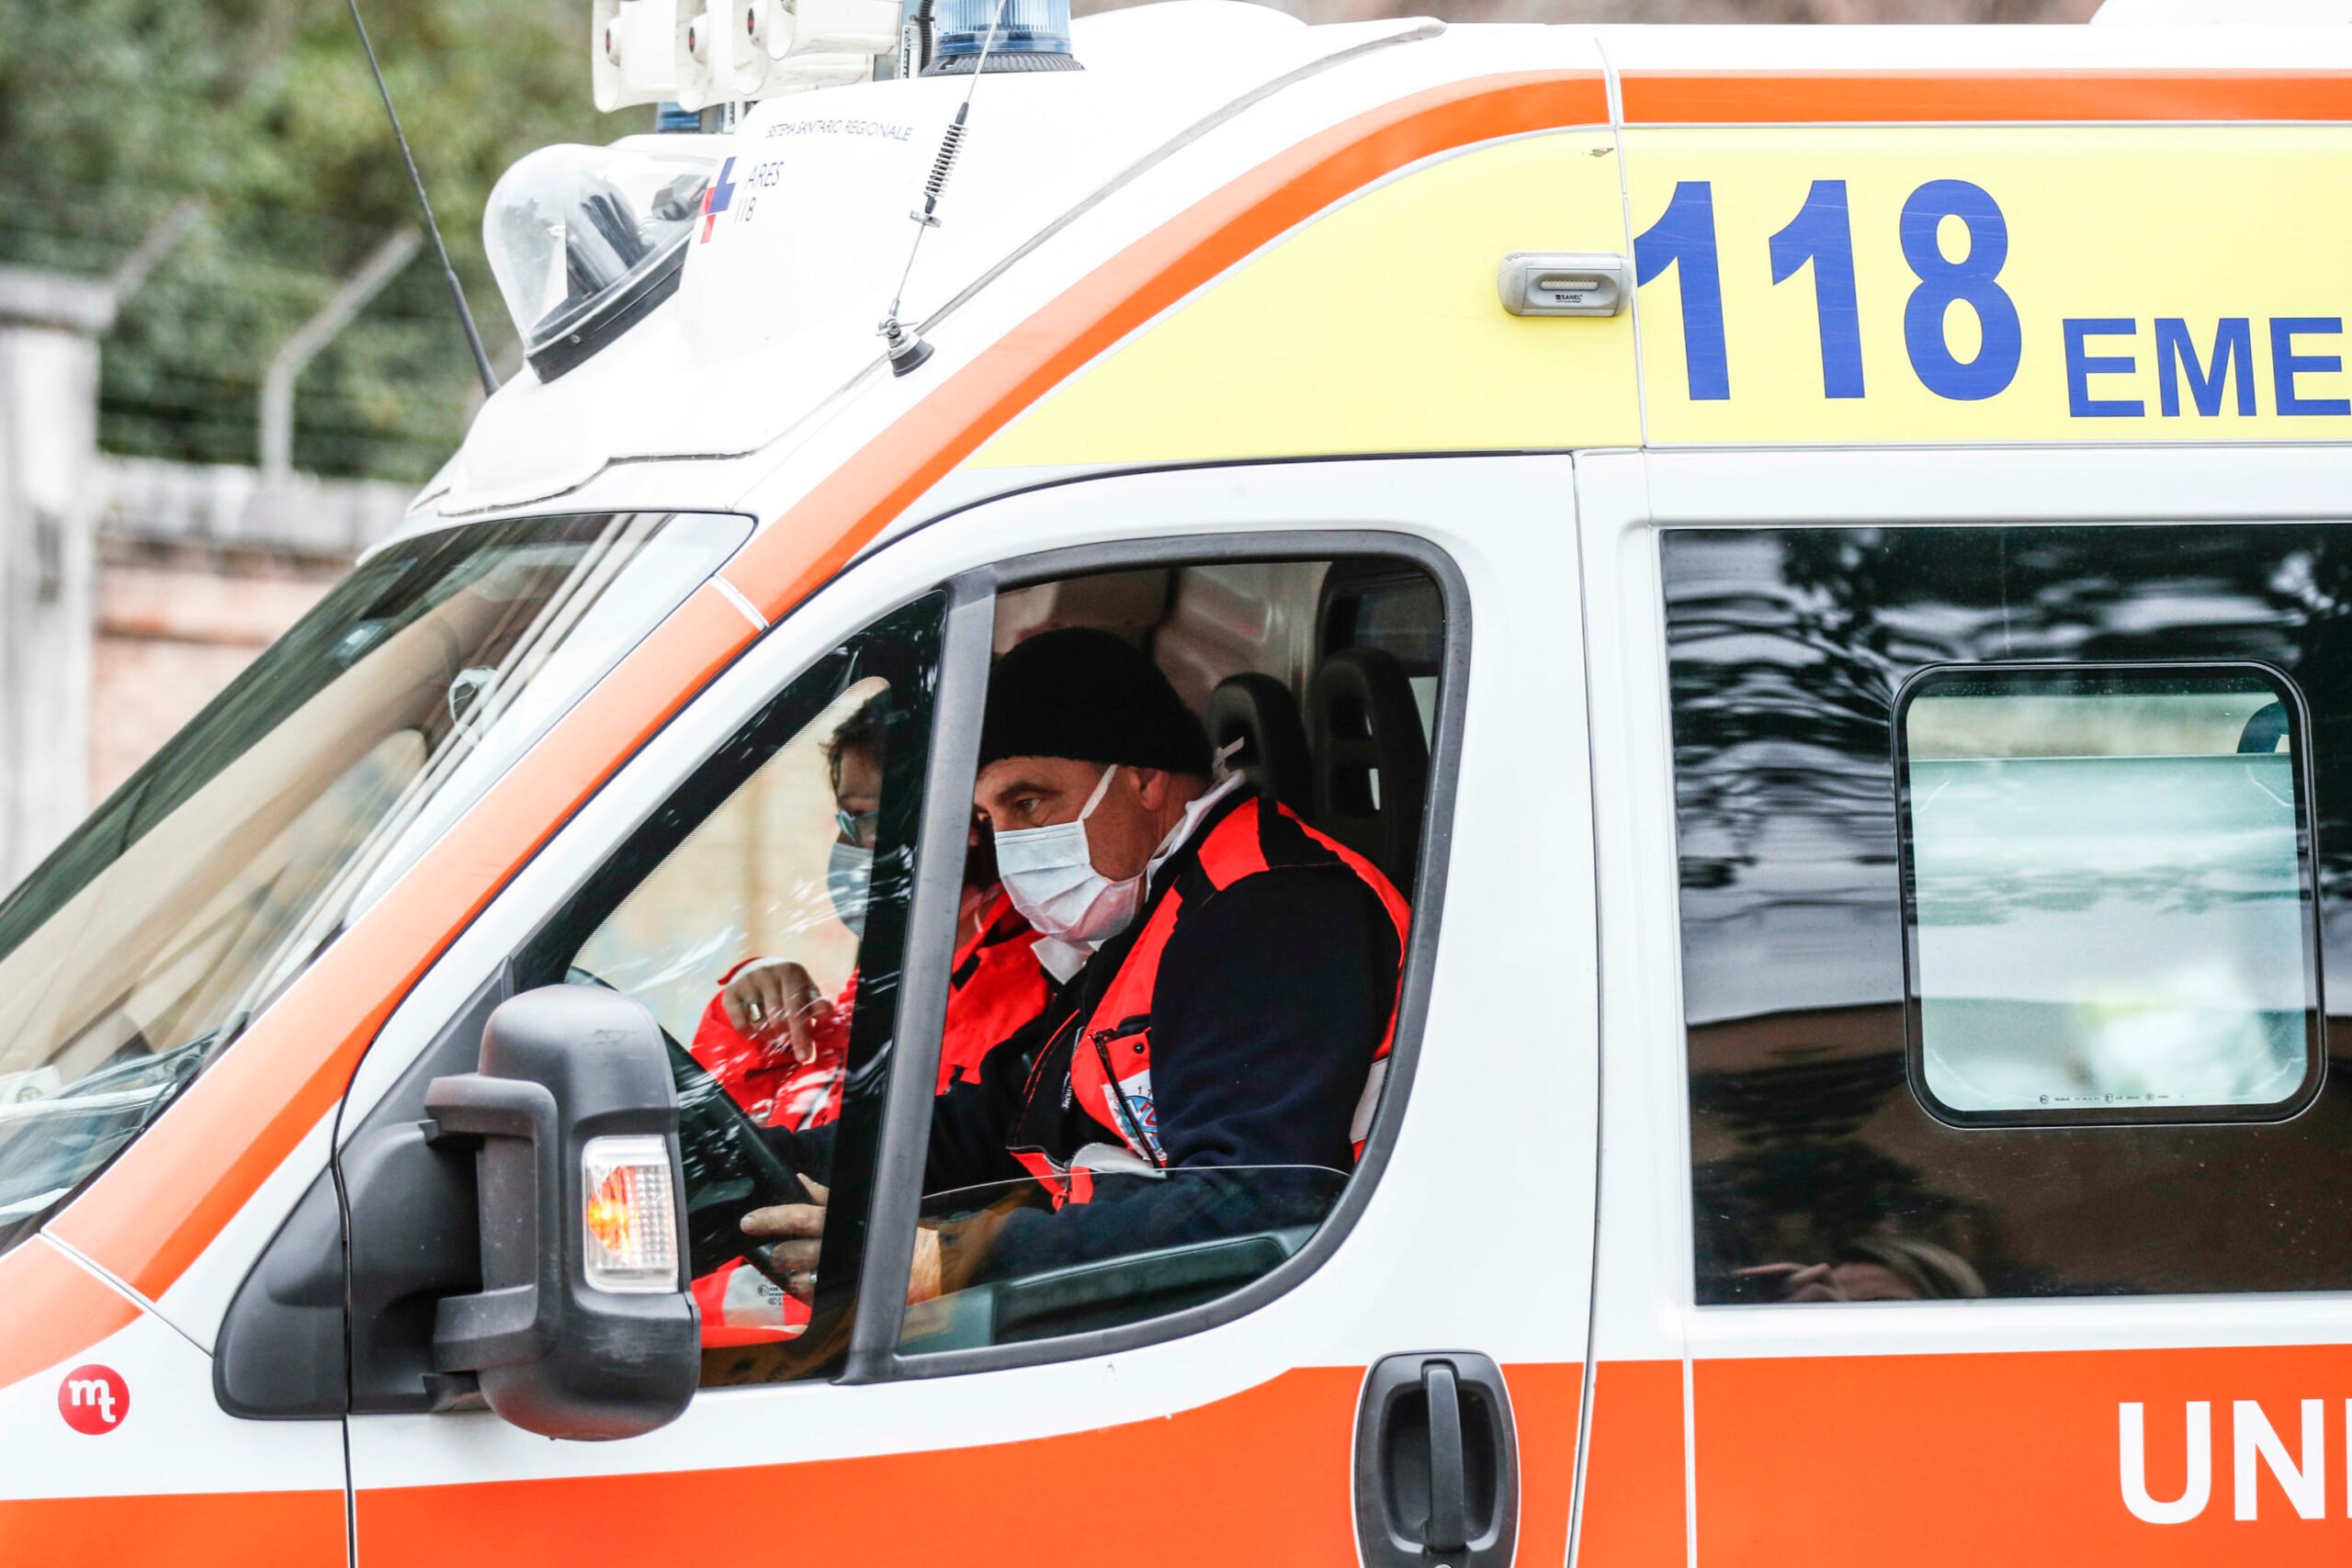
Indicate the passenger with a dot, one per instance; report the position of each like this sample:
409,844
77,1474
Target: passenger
774,1041
769,1037
778,1046
1232,999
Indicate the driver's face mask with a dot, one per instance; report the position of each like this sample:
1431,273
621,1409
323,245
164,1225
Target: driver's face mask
849,875
1049,875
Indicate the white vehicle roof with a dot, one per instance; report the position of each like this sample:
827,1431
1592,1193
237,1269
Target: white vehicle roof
772,332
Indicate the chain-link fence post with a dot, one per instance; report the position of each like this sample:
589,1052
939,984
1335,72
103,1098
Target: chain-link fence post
50,327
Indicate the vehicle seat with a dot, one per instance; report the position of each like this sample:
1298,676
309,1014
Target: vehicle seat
1259,712
2264,730
1372,764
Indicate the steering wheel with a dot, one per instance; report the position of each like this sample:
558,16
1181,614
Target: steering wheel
731,1169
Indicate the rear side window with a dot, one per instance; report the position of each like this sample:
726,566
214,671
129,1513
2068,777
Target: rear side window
2108,910
1393,612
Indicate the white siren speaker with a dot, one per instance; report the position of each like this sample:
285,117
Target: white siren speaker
742,52
697,86
640,53
698,52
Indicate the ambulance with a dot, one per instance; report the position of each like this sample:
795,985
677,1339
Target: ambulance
1818,562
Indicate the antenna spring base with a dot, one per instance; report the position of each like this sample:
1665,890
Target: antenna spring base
906,350
941,166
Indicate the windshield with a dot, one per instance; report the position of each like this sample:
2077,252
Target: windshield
222,868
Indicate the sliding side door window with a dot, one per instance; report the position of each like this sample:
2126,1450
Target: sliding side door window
2109,895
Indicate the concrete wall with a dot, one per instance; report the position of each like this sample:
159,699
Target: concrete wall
174,625
50,326
199,568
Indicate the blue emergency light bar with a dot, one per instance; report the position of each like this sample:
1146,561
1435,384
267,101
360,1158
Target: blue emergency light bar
1031,35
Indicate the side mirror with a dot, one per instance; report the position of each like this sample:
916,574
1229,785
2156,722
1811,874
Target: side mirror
584,1328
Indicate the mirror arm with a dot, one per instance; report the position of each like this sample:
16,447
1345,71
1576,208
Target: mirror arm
510,1321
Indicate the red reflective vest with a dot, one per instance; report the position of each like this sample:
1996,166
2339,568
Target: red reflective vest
1110,1072
995,987
764,1077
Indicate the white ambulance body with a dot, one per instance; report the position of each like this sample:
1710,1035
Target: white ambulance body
1814,559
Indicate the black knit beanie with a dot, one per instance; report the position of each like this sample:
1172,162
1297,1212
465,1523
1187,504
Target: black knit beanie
1084,695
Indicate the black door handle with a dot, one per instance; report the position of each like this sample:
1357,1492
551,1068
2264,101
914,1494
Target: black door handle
1437,1463
1448,1527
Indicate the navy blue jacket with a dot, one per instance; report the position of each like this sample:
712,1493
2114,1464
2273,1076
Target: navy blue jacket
1272,998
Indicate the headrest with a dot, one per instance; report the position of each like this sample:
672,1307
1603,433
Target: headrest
1371,763
1259,712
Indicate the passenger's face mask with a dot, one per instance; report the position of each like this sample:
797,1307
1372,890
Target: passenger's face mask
849,873
1049,875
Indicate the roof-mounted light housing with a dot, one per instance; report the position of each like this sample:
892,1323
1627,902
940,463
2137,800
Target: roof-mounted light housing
1031,35
584,241
701,52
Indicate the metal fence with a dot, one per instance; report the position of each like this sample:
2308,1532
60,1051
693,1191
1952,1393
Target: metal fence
186,365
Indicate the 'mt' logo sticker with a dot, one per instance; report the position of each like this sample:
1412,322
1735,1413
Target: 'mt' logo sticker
94,1399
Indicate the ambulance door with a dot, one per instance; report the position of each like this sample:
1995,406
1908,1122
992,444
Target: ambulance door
1395,1364
1971,850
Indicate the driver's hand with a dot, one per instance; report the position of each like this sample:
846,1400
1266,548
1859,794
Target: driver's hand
773,997
923,1278
801,1227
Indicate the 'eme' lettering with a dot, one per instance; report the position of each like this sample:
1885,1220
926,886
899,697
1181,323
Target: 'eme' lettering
2208,375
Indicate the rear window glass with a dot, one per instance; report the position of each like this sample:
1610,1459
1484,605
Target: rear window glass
2108,894
1400,615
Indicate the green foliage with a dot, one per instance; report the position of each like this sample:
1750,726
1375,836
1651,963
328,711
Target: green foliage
113,110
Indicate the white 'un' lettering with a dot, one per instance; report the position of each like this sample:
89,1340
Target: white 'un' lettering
2299,1473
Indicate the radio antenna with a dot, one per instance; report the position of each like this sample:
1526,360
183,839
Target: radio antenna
906,349
457,289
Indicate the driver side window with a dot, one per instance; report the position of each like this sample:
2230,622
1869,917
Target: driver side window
1133,1117
760,915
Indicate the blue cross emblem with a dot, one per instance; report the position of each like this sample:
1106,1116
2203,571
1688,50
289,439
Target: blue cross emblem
717,199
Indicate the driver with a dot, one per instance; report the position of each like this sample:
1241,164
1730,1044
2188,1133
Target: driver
1231,999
